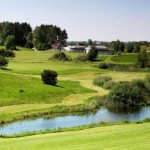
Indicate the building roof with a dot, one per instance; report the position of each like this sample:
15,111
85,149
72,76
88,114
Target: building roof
57,45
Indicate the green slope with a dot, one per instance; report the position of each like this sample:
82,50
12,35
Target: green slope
19,89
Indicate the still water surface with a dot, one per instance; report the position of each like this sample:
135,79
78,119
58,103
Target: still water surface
102,115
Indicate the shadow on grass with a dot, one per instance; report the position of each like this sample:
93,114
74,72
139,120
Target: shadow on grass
6,69
59,86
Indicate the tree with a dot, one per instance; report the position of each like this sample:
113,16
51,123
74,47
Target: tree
142,59
93,53
49,77
29,40
10,43
90,43
20,32
137,48
129,47
45,36
117,46
6,29
3,62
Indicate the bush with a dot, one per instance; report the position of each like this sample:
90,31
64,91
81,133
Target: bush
81,58
109,85
60,56
49,77
126,94
101,80
3,62
7,53
142,59
103,65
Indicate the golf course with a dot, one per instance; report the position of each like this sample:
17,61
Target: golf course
24,96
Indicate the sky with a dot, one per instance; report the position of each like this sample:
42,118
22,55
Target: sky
101,20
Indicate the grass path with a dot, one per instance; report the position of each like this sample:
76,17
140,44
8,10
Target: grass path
80,98
118,137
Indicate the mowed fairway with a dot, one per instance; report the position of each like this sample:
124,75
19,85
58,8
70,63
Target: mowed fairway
118,137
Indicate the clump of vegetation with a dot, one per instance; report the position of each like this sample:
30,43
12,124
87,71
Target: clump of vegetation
127,94
142,59
60,56
81,58
109,85
49,77
101,80
3,62
4,55
7,53
10,43
103,65
92,54
42,46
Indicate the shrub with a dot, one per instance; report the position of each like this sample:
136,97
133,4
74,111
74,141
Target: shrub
3,62
60,56
49,77
109,85
103,65
93,53
81,58
126,94
142,59
7,53
101,80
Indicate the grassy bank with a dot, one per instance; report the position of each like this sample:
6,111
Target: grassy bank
131,136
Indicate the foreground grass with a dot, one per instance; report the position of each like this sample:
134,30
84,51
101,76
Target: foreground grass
132,136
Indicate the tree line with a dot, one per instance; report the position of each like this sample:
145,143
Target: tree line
22,34
117,46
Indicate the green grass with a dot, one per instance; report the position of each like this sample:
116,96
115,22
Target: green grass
23,48
34,91
132,136
33,62
125,59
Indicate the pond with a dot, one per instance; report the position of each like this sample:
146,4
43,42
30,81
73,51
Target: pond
102,115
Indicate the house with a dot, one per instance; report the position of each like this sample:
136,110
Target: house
58,46
76,49
83,49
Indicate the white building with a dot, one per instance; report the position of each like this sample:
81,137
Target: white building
83,49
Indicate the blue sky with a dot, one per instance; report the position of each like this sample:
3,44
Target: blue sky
103,20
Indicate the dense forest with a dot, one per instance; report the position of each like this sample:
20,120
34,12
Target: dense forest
21,34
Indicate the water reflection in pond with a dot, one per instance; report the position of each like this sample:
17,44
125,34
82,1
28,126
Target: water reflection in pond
102,115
